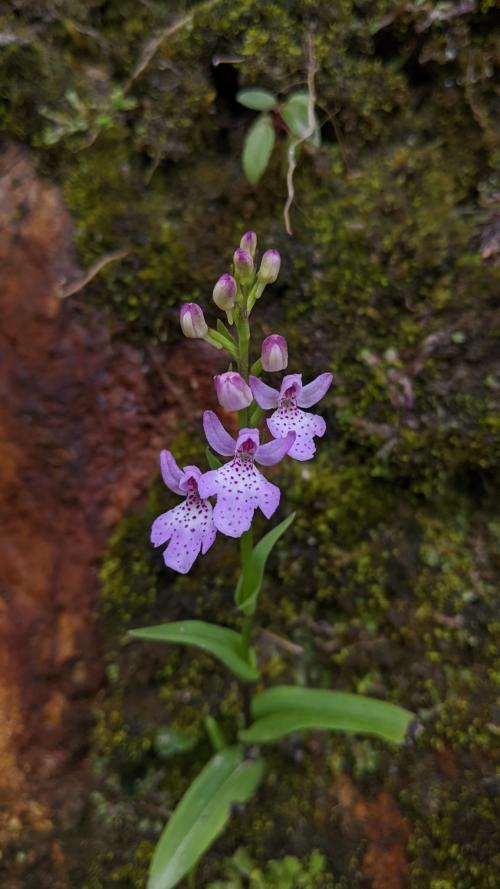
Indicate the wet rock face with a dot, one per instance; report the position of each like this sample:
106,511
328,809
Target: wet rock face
81,423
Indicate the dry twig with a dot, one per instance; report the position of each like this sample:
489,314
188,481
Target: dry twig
153,45
94,269
311,126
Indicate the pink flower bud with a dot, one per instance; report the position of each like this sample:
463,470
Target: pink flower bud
224,294
249,243
274,353
193,322
269,267
243,265
232,391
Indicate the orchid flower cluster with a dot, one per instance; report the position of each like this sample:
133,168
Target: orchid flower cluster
239,488
223,500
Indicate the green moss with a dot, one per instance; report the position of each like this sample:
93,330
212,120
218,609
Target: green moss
458,845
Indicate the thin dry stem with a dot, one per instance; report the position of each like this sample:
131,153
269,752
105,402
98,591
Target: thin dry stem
153,45
95,268
311,126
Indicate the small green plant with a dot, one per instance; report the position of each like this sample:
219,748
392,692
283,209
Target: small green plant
234,773
85,116
291,117
281,873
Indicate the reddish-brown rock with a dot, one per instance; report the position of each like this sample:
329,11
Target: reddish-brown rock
81,422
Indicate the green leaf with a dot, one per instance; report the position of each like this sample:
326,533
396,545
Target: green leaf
221,642
221,341
258,147
295,113
257,99
212,460
221,327
250,581
285,709
215,733
202,815
256,416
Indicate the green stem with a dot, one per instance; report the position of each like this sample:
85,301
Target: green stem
246,539
244,336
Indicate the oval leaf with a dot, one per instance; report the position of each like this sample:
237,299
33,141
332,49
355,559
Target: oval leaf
258,147
221,642
285,709
257,99
295,113
202,814
250,581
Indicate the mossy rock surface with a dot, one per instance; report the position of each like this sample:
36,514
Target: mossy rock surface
387,580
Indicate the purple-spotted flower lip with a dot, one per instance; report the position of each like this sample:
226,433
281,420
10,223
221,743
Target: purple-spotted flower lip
288,416
188,528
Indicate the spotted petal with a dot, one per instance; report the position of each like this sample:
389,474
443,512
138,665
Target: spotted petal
306,426
314,391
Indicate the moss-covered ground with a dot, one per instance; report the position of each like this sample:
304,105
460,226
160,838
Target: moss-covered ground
388,580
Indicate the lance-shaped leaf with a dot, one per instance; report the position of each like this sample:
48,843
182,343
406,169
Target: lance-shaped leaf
202,815
295,113
252,575
257,99
221,327
257,150
221,642
285,709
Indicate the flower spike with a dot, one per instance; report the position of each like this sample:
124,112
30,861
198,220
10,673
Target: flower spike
189,527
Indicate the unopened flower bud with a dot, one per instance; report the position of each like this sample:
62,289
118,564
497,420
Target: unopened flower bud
249,243
269,267
232,391
274,353
243,265
193,322
224,294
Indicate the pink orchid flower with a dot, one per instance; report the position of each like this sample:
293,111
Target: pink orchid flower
288,417
189,526
239,486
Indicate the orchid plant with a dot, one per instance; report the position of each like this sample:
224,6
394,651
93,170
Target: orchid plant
222,500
